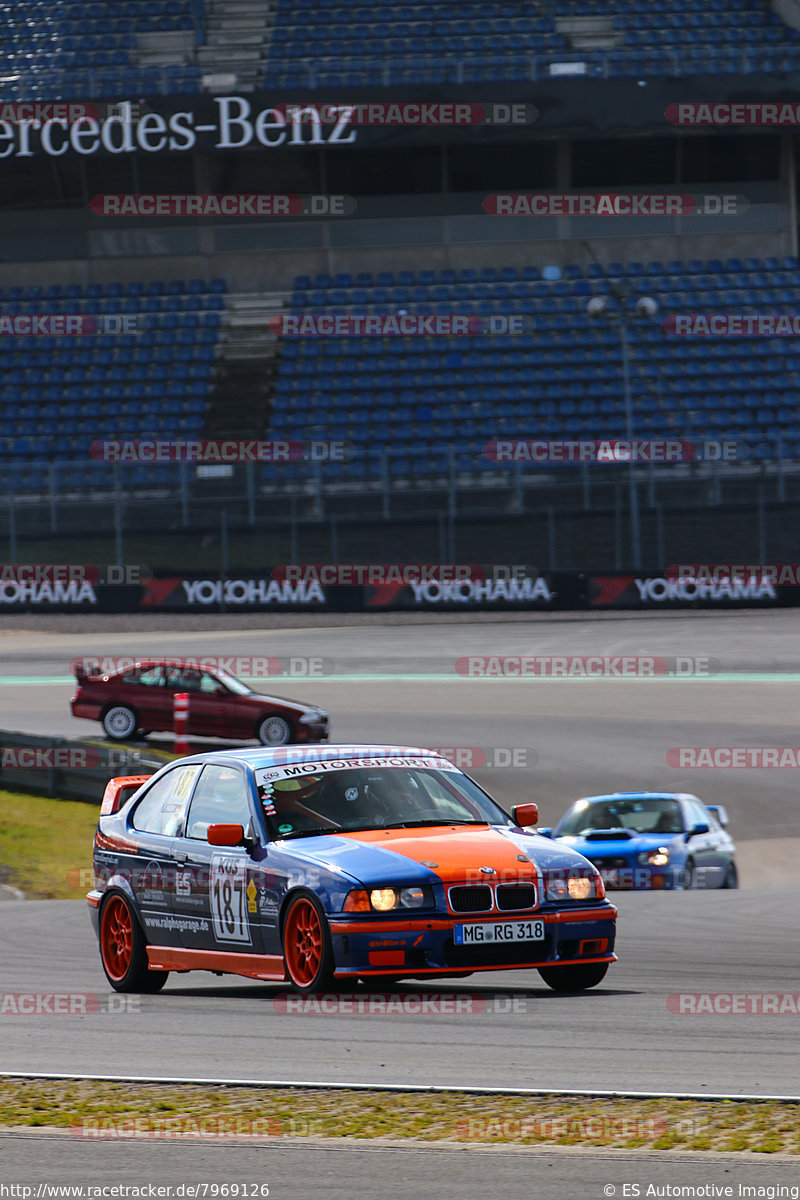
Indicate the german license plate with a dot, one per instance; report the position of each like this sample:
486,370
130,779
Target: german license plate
498,931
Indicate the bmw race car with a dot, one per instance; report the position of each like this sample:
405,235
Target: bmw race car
325,865
645,840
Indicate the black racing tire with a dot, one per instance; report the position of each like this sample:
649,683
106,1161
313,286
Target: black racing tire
731,879
307,945
120,722
575,978
689,876
273,730
123,948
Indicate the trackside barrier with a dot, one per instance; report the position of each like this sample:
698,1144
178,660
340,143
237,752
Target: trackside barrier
65,769
180,720
655,588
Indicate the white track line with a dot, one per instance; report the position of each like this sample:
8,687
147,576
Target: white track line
598,1093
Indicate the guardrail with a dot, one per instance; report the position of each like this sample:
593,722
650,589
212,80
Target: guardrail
67,769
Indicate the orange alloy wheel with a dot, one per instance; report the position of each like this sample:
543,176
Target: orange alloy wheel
303,943
116,938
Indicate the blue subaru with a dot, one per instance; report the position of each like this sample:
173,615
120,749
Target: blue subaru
649,840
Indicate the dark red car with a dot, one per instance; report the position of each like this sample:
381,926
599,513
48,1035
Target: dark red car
140,699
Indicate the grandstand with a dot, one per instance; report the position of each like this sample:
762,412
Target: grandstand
416,412
325,44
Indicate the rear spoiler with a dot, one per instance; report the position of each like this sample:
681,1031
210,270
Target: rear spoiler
120,789
720,812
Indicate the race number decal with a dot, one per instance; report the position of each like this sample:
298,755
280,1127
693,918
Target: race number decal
229,898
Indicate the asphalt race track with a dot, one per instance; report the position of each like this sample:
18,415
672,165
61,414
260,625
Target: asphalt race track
618,1036
396,682
385,1172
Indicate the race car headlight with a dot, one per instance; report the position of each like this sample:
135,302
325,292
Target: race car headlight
383,899
655,858
388,899
575,887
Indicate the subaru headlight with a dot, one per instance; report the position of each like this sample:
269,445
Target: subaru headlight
654,858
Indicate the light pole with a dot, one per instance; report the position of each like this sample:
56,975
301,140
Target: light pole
645,306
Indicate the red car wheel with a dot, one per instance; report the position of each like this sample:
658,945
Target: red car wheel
123,950
307,950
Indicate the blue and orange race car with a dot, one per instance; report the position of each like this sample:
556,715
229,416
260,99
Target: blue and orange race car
323,865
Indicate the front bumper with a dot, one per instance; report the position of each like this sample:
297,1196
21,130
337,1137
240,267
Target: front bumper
425,946
633,877
316,730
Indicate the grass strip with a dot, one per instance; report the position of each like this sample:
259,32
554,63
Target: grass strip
94,1110
46,845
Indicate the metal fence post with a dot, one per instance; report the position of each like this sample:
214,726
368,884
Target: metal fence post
617,528
660,538
762,527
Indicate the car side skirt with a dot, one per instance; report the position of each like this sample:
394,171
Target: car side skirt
252,966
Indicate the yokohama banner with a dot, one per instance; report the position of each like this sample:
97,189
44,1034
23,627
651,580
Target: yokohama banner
271,591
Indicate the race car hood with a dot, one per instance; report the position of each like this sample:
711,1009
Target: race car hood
452,853
630,846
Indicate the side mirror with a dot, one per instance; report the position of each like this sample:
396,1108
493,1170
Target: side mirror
525,814
695,830
546,831
225,835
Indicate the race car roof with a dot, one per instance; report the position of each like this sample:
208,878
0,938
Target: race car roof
257,757
606,796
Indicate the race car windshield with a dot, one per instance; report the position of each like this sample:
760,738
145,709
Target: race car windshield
648,815
233,684
375,798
